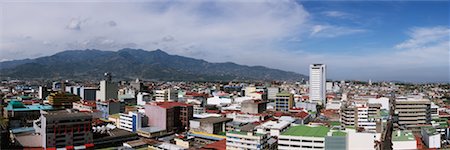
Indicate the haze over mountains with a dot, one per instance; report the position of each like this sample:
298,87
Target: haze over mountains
136,63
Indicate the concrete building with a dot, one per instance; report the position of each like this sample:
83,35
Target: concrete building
64,129
431,138
303,137
237,140
211,125
403,140
131,121
284,101
84,105
89,93
108,90
62,99
258,95
249,89
170,116
253,106
109,107
143,98
317,80
20,115
273,128
166,95
361,114
412,112
272,93
43,92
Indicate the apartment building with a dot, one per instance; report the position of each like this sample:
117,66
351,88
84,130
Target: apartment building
253,106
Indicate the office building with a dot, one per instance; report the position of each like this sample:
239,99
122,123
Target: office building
169,116
108,89
284,101
412,112
317,80
64,129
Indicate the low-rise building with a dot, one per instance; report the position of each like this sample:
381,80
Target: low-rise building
403,140
246,140
431,138
20,115
253,106
212,125
274,128
303,137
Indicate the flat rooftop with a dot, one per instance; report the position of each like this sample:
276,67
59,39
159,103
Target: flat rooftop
307,131
339,133
405,135
213,120
245,133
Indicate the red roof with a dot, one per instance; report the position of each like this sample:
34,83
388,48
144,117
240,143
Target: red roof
301,114
170,104
219,145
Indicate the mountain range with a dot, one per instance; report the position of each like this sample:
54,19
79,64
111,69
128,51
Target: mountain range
136,63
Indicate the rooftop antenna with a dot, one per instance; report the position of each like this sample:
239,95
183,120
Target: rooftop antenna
108,76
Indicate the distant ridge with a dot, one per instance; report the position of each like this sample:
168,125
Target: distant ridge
136,63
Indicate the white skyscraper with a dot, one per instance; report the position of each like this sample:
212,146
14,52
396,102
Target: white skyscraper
317,80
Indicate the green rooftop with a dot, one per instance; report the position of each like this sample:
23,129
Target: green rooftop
307,131
16,105
244,133
339,133
402,136
335,123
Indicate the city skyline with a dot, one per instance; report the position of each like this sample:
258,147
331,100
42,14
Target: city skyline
402,41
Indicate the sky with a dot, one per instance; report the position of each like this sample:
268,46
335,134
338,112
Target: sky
357,40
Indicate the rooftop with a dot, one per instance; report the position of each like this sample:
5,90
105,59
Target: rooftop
169,104
307,131
213,120
339,133
405,135
284,93
245,133
15,105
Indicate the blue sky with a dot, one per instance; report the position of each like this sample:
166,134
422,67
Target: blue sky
361,40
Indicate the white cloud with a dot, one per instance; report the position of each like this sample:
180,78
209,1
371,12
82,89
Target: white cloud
243,32
337,14
330,31
424,36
